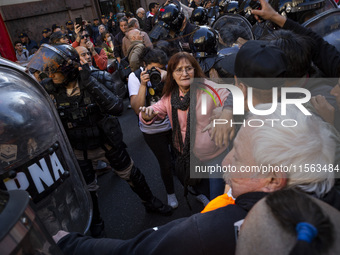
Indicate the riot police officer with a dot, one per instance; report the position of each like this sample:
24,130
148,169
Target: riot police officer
171,24
85,105
35,156
199,16
203,43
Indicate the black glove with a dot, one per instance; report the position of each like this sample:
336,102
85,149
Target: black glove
85,74
49,86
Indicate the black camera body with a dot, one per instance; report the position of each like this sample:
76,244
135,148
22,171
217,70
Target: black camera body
155,76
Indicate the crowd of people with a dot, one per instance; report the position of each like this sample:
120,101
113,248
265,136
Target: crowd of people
168,60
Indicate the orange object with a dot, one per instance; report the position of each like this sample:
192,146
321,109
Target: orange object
219,202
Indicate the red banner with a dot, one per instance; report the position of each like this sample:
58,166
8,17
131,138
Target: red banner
6,46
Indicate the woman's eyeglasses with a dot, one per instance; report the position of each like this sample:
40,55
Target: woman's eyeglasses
85,36
188,70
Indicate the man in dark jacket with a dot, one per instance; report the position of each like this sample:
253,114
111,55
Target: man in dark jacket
141,18
214,232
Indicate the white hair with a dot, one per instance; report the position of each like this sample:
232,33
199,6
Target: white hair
139,10
303,149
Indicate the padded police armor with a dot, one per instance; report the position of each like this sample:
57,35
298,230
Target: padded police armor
118,157
139,185
109,102
114,84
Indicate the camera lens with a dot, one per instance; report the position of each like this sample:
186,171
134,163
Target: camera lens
155,76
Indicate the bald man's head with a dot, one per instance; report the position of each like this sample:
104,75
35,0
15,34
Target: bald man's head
84,53
135,35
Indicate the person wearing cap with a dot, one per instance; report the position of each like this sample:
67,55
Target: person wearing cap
324,56
27,43
55,28
104,22
58,38
95,30
257,59
46,36
70,31
214,232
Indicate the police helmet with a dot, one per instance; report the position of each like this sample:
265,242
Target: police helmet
172,16
61,58
199,16
222,4
298,10
231,7
203,42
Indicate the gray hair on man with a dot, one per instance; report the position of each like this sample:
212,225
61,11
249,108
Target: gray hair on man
132,23
307,149
140,9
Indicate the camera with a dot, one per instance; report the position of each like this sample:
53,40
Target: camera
155,77
251,5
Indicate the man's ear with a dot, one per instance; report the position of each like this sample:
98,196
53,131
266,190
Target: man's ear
276,182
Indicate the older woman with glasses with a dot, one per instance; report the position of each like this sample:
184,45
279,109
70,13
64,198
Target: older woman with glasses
181,72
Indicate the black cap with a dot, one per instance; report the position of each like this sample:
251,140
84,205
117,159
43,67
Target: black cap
228,63
259,59
104,17
22,35
46,30
54,26
70,22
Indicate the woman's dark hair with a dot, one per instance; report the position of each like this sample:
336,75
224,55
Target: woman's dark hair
291,207
297,48
103,36
170,83
150,55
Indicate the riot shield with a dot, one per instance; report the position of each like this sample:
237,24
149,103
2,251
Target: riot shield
21,231
327,25
35,154
233,19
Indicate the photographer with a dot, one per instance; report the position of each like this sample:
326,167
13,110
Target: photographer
145,89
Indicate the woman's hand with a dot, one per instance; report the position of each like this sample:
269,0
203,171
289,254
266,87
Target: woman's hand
148,113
